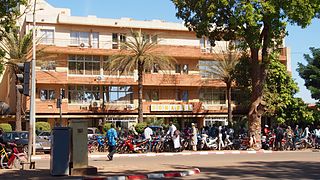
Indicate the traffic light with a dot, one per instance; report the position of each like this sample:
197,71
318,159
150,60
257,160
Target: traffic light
27,116
23,78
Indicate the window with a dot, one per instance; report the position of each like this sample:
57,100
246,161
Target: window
92,65
182,95
152,95
212,96
47,36
155,68
79,37
47,94
154,39
83,94
118,94
178,68
146,37
184,68
80,64
205,70
95,40
205,45
117,39
76,64
49,65
150,38
114,72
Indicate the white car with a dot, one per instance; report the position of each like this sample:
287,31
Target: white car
92,132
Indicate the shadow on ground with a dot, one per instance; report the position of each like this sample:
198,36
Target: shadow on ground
30,174
261,170
244,170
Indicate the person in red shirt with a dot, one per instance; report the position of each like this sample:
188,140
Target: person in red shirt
266,131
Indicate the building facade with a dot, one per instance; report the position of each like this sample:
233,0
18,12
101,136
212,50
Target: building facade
76,48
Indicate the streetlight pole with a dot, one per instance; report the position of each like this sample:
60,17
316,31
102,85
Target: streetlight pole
32,124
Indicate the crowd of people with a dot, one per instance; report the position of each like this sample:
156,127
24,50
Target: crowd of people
220,137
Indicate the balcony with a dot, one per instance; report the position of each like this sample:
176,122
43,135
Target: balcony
194,80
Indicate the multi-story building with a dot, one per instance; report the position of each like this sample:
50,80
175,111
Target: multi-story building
76,49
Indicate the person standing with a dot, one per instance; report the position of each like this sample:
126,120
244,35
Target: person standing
194,139
112,136
317,136
220,138
147,135
279,137
172,129
173,133
296,136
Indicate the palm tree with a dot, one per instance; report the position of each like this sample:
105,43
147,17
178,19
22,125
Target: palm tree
223,70
139,53
17,49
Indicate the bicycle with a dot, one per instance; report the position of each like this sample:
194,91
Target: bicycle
13,158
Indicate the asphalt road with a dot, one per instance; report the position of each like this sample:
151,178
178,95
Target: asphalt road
280,165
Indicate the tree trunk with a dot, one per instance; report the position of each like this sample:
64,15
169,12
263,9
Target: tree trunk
18,111
229,103
257,74
140,90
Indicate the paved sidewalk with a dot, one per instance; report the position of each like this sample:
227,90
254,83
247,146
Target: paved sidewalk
98,155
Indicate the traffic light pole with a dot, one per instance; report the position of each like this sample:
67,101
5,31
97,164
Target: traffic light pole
60,109
32,124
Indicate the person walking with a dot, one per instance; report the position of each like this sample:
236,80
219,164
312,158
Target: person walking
147,135
112,136
194,139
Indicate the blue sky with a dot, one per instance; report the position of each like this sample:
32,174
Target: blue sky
299,40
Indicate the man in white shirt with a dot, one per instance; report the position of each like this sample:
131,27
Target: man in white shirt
147,135
175,138
172,129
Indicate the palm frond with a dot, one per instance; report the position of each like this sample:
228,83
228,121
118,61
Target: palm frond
137,49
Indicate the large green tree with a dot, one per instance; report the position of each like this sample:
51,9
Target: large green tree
261,25
139,53
311,72
279,90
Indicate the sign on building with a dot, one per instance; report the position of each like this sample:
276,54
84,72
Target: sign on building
171,107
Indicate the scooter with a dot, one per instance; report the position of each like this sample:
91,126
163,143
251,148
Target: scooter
209,142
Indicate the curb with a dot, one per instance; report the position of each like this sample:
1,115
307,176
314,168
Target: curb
148,176
95,156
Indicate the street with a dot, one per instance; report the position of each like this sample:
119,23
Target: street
281,165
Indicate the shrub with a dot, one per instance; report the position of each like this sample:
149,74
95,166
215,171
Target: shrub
43,126
5,127
140,127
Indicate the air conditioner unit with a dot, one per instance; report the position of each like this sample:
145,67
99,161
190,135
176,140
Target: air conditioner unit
205,107
100,78
84,45
130,106
95,104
